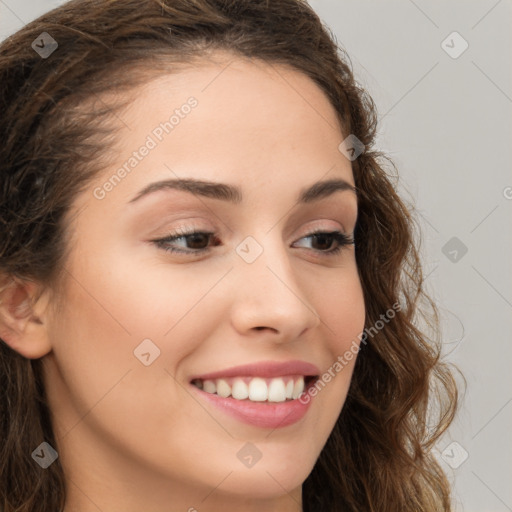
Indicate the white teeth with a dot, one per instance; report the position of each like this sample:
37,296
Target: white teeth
289,389
276,391
256,390
223,388
209,386
240,391
298,388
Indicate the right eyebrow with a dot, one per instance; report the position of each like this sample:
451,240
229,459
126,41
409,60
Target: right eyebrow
233,194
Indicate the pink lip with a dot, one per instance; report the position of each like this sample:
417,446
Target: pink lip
261,414
267,369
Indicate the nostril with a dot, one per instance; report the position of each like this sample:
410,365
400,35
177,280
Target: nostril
260,328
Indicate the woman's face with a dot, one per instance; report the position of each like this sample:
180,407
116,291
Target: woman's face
141,328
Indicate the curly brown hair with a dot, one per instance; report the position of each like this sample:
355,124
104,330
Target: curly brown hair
54,130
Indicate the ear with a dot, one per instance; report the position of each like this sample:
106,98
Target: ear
23,321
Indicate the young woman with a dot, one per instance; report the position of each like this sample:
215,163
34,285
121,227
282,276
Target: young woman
210,287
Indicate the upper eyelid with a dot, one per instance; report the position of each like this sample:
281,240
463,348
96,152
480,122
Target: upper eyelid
199,227
184,233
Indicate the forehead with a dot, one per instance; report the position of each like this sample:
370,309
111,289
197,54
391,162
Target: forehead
246,98
252,123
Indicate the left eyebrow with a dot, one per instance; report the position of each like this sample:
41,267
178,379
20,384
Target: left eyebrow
233,194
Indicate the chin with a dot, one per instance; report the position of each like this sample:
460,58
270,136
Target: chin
276,472
265,483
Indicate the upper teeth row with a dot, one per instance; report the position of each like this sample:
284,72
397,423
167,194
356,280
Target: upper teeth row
256,388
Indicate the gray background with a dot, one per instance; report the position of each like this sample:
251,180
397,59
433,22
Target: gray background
447,124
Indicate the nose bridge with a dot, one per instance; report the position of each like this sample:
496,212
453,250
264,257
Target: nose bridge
268,292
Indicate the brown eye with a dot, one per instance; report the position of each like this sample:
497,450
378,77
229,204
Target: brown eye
198,240
195,242
322,241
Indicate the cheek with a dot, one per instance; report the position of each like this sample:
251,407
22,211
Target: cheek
343,311
339,302
92,350
97,387
136,299
113,306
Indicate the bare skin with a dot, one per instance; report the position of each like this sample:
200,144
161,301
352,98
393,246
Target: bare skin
133,437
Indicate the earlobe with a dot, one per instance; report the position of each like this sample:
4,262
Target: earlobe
23,320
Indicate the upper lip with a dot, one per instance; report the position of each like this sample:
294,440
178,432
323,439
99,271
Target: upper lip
268,369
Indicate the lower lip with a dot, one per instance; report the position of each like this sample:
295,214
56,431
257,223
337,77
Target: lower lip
260,414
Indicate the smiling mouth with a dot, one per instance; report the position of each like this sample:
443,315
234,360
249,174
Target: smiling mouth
257,389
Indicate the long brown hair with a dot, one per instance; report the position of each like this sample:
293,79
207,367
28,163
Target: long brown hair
54,115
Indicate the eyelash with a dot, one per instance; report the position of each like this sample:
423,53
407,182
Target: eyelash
341,238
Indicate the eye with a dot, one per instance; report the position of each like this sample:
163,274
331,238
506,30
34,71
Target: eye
197,242
326,239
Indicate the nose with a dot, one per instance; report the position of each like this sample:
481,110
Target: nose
269,295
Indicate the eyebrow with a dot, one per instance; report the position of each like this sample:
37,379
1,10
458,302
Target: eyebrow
233,194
